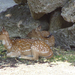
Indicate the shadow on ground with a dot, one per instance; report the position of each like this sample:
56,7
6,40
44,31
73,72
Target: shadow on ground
59,55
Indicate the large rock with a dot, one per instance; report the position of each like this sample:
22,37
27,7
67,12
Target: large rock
65,37
68,11
6,4
57,21
18,21
41,7
20,1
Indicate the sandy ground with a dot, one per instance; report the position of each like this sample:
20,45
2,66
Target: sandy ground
57,68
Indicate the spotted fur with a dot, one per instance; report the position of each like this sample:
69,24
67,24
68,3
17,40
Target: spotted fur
45,36
24,48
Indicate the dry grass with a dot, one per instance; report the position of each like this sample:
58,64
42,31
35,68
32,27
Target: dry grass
53,66
59,55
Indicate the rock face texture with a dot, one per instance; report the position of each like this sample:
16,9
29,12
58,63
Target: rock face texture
57,21
68,11
18,21
20,1
41,7
66,37
56,16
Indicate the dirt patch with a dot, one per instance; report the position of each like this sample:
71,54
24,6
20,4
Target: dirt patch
53,68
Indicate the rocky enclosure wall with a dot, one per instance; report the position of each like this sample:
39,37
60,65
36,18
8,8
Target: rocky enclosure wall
56,16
